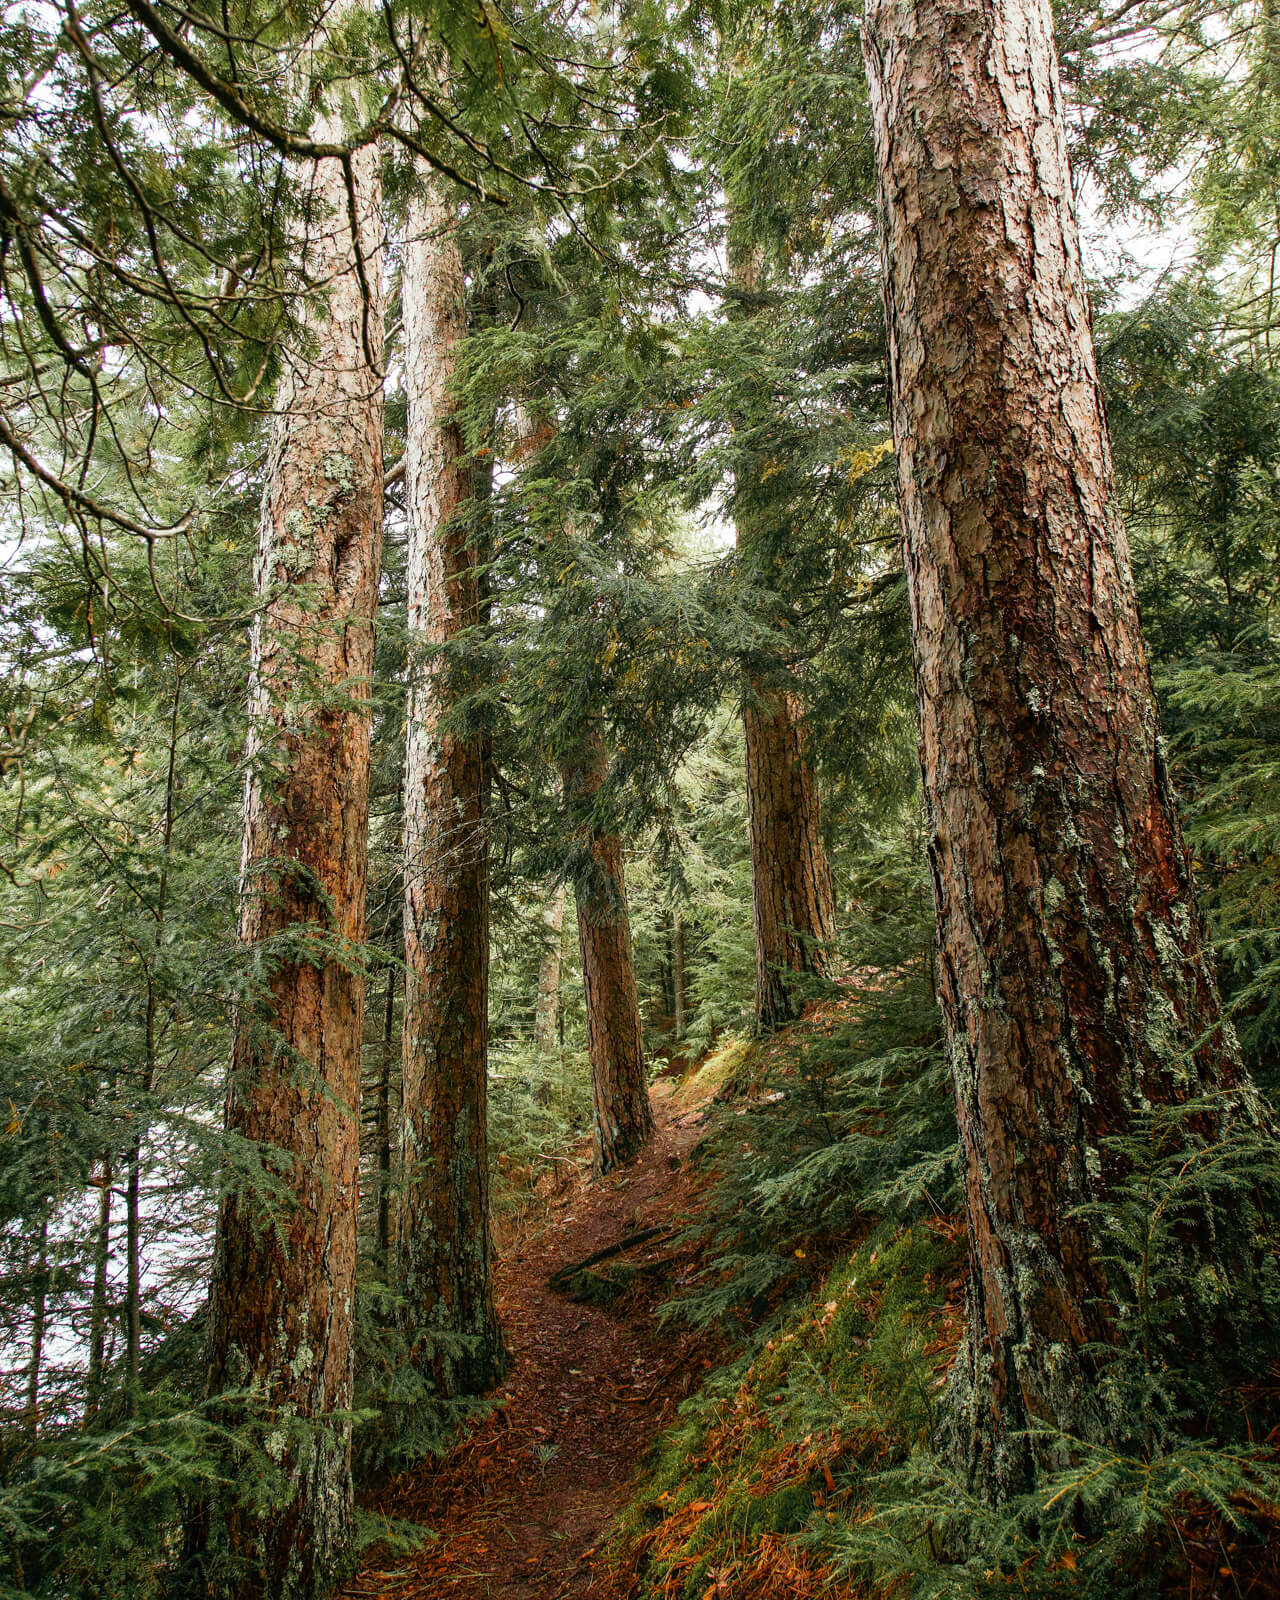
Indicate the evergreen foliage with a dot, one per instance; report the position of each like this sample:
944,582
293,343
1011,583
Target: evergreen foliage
627,399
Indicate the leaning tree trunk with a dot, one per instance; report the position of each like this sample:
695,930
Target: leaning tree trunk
445,1270
284,1275
1074,973
623,1117
792,895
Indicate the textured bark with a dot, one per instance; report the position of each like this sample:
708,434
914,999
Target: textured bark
284,1278
548,1004
1074,974
792,896
445,1272
677,972
623,1117
383,1117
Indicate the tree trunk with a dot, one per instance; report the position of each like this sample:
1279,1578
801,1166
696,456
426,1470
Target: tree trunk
444,1248
792,896
284,1280
666,972
151,1067
677,971
544,1024
98,1309
1074,974
384,1118
133,1269
39,1311
623,1117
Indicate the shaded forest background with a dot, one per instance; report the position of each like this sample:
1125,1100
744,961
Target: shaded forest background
676,503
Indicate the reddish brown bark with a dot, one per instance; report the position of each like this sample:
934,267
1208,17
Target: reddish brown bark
623,1117
792,896
284,1276
1074,973
444,1254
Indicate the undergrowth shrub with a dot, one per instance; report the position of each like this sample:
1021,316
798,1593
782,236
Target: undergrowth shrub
538,1109
832,1245
840,1121
819,1457
96,1511
766,1460
399,1418
1225,729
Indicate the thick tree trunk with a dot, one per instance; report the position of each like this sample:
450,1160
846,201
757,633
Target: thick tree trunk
445,1272
792,896
1074,975
548,1004
284,1279
623,1117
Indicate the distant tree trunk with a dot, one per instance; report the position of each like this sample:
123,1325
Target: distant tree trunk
133,1266
1074,974
677,971
98,1308
792,896
39,1313
383,1128
623,1121
151,1063
284,1280
793,899
666,971
544,1024
444,1252
531,434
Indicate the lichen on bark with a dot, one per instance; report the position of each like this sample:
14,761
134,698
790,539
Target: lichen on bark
284,1274
444,1271
1074,973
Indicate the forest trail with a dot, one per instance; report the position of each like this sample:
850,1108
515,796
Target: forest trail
520,1507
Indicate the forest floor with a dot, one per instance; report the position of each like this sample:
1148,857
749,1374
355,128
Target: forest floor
521,1508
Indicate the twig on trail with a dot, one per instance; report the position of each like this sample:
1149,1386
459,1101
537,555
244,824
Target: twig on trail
640,1399
558,1279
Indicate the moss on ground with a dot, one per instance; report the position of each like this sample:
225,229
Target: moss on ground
778,1446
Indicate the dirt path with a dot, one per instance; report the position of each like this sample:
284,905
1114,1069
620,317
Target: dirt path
520,1505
